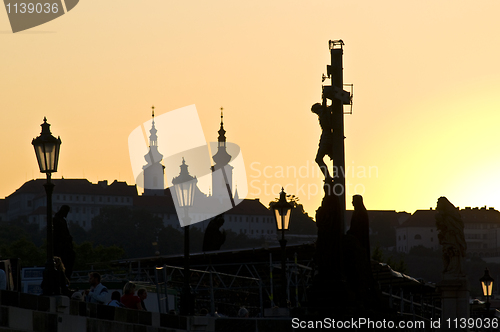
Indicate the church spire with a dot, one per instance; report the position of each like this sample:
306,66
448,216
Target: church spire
154,171
153,139
153,155
221,158
222,172
222,132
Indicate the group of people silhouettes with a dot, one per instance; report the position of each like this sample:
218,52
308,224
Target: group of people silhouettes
98,293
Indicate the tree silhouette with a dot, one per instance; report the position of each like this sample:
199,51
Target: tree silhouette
99,256
26,250
133,230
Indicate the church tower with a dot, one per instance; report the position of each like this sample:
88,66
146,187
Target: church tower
222,172
154,171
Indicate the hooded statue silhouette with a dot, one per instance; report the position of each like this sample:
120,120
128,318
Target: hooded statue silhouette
214,238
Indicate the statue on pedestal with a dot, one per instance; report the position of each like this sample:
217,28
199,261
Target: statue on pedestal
454,287
329,233
451,237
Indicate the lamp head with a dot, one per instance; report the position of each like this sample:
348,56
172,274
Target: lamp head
47,149
282,210
487,283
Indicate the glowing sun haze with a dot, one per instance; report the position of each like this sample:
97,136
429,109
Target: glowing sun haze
426,78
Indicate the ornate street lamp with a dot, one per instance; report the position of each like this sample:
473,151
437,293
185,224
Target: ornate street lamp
185,186
47,154
487,285
282,210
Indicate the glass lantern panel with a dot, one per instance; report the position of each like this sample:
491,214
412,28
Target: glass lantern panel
282,218
178,194
40,157
277,217
487,287
287,218
50,154
185,193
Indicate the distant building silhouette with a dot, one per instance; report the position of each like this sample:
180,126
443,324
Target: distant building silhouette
3,210
380,219
481,230
85,199
250,217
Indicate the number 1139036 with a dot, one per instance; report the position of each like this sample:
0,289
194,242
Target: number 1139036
32,8
472,323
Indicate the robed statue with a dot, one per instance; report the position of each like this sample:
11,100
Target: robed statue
214,238
451,237
360,225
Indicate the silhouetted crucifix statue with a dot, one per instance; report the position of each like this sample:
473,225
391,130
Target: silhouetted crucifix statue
331,119
326,140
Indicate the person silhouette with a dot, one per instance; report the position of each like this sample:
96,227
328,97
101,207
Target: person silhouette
63,241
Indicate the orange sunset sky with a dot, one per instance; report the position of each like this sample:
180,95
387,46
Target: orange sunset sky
426,81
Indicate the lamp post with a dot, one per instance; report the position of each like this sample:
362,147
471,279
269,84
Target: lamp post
487,285
47,154
282,210
185,186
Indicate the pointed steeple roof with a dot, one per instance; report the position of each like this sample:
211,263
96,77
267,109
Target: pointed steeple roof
236,197
221,158
153,155
222,132
153,139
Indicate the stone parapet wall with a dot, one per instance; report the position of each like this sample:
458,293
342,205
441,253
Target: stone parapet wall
26,312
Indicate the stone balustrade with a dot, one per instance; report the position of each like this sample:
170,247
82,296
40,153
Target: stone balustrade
26,312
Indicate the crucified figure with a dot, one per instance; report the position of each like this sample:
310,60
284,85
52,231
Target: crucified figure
326,139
